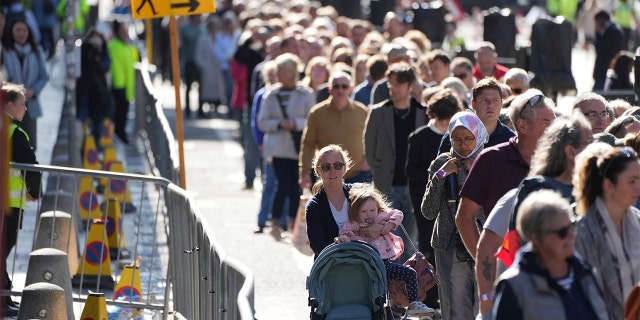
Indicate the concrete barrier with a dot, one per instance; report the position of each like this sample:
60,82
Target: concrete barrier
50,265
43,301
56,230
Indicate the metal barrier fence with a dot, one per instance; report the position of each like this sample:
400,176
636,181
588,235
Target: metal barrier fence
228,293
184,272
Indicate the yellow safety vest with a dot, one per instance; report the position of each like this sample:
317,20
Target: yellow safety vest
17,188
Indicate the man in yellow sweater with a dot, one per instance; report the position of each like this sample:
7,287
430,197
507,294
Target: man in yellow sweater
337,120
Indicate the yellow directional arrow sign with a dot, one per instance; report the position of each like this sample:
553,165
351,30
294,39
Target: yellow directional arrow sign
147,9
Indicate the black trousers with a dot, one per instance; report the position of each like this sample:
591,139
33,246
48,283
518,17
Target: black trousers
120,115
9,225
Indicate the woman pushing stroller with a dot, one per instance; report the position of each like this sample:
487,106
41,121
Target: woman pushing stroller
367,207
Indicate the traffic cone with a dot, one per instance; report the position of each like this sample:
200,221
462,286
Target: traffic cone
95,307
106,136
94,269
88,200
90,158
118,188
117,244
129,288
109,156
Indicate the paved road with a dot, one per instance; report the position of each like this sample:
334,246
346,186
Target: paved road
214,174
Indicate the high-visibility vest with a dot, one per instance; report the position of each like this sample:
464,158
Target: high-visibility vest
17,188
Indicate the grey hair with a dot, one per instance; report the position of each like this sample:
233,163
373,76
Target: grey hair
457,86
588,96
549,158
519,106
537,209
517,74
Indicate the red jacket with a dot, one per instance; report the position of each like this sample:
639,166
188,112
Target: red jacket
498,74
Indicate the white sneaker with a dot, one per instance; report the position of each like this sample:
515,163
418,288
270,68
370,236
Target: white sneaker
418,308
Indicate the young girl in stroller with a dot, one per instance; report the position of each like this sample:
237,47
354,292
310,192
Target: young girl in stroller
368,206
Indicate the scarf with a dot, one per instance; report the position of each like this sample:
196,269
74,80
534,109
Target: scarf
471,122
25,72
625,252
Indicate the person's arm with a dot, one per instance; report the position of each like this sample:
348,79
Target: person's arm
307,150
486,266
268,121
23,153
466,223
395,218
43,76
506,306
433,195
370,139
316,225
416,168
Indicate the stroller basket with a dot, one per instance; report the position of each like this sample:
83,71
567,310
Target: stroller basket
347,281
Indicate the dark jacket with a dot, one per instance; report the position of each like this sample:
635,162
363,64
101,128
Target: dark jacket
322,228
527,291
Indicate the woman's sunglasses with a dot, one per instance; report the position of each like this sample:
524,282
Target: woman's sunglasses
563,232
326,167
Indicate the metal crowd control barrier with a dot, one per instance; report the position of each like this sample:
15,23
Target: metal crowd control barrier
184,272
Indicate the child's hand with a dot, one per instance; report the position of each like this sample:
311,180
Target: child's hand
341,239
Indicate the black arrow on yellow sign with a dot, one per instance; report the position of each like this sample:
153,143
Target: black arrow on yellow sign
192,4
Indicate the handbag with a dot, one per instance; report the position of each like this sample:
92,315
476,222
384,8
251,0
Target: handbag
426,277
296,136
299,237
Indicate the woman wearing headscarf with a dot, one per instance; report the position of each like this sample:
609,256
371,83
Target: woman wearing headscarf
606,188
454,265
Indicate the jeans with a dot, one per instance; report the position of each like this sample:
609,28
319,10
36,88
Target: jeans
269,185
287,175
399,198
251,152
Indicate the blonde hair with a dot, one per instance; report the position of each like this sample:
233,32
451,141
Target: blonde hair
323,152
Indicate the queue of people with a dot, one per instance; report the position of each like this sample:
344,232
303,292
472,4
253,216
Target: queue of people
447,141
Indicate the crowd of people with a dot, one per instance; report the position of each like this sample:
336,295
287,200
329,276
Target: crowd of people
390,130
458,149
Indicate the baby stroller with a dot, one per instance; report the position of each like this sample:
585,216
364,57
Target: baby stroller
348,281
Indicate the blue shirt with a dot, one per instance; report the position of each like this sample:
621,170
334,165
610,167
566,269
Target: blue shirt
362,92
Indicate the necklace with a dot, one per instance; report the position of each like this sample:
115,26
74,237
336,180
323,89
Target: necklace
402,113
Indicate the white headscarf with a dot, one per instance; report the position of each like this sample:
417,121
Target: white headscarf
471,122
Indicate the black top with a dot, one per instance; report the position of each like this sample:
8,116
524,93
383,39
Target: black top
22,152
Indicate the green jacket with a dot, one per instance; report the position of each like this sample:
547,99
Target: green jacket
79,23
123,74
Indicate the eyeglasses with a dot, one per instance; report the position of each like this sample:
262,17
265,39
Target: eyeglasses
597,115
326,167
341,86
621,153
466,141
563,232
532,102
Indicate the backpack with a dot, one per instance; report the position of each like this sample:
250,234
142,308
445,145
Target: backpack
426,280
